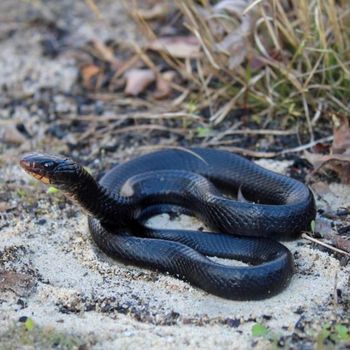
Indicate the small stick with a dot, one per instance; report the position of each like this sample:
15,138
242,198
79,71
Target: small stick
305,236
134,128
307,145
261,132
260,154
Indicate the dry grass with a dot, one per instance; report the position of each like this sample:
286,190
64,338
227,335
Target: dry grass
302,54
296,64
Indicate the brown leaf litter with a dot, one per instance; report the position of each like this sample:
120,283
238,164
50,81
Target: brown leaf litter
338,158
222,30
137,81
163,84
89,73
177,46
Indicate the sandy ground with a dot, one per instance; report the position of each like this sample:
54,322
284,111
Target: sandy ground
62,282
74,288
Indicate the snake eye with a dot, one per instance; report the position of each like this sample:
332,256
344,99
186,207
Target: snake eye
48,165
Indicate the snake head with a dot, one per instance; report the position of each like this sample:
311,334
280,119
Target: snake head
58,171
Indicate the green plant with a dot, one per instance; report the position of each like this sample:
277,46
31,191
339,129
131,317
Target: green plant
32,336
332,334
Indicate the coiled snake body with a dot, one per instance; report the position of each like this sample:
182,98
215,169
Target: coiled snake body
197,182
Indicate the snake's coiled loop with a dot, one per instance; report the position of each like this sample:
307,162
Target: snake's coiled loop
198,182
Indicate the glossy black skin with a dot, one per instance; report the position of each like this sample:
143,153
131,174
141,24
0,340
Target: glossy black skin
193,181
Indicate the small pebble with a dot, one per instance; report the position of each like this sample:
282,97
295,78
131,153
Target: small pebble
41,222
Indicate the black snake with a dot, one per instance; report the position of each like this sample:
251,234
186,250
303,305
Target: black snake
198,182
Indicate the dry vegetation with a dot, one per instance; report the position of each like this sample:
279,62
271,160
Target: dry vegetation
289,59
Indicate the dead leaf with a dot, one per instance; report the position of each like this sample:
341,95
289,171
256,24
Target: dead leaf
342,167
163,84
177,46
131,62
340,163
341,132
88,74
339,159
106,53
137,81
341,243
230,28
235,42
159,10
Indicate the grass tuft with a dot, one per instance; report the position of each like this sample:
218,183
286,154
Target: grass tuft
298,60
32,336
288,59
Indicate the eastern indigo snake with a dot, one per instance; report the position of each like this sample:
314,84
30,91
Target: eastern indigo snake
198,182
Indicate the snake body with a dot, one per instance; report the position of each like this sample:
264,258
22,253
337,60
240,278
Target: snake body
198,182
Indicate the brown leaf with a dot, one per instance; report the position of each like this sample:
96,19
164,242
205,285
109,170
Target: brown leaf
342,168
88,75
137,81
340,163
177,46
235,42
339,159
341,132
230,28
315,159
341,243
105,52
163,84
341,146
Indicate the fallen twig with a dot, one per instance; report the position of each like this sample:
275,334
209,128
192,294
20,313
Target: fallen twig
307,145
258,154
127,129
305,236
250,153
